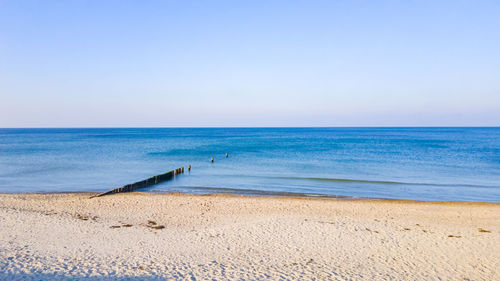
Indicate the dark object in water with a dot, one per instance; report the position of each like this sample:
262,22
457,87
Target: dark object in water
145,183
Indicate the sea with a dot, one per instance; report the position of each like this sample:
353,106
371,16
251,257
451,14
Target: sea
437,164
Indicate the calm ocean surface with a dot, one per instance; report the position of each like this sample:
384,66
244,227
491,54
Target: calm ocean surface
403,163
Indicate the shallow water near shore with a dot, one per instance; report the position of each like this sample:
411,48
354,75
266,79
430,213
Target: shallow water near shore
401,163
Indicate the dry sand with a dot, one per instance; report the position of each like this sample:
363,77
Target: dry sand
69,236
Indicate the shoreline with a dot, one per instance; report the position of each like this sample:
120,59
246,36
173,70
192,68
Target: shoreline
157,236
277,196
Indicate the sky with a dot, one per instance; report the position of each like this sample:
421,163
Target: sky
249,63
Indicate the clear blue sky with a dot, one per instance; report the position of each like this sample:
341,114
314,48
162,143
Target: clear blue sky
249,63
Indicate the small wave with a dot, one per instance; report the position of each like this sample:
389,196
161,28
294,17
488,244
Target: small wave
342,180
385,182
254,192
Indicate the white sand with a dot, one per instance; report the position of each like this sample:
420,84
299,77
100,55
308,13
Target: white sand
230,237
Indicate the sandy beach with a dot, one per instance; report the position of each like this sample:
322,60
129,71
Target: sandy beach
141,236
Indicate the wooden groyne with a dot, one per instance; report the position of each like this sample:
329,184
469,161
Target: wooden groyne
145,183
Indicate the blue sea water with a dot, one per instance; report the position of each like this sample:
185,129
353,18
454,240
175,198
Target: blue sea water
401,163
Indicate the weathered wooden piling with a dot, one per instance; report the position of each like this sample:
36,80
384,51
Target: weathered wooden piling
144,183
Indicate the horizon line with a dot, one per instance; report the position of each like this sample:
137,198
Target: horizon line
244,127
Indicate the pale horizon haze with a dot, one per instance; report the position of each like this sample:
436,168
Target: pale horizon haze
249,63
